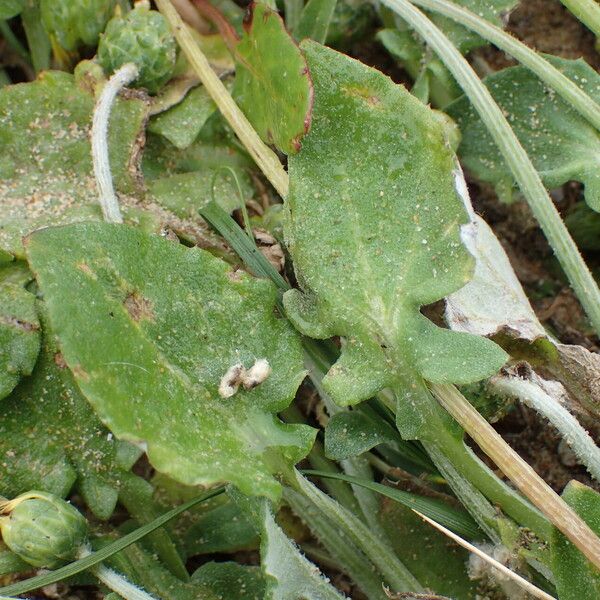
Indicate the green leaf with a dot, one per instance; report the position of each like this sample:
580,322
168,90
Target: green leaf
273,85
315,19
170,322
231,580
185,194
288,574
354,432
374,230
46,174
576,577
50,439
19,327
182,123
222,529
423,549
561,143
11,8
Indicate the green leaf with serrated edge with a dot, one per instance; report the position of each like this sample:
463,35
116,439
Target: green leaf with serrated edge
561,143
273,85
353,432
182,123
575,577
229,580
46,174
423,549
375,214
170,322
288,574
19,327
50,438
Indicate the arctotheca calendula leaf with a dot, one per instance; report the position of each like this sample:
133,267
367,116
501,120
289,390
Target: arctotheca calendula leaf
374,228
150,328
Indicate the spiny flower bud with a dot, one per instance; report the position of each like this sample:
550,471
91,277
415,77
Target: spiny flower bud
74,23
43,529
141,37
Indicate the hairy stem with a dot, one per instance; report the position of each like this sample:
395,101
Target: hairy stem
380,554
519,472
515,156
100,158
119,584
264,157
569,428
587,11
550,75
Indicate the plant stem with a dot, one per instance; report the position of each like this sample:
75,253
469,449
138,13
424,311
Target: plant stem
587,11
515,156
264,157
522,582
13,42
550,75
380,554
569,428
519,472
116,582
335,540
100,158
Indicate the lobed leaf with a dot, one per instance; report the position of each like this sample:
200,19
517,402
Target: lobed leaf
170,323
19,327
51,439
562,144
273,85
374,230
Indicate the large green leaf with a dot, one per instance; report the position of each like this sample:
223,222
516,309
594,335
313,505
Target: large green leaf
576,577
273,85
374,229
10,8
45,155
561,143
50,439
150,328
19,327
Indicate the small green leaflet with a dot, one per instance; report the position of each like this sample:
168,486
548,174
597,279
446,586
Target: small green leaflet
576,577
229,580
19,327
50,439
182,123
273,85
562,144
374,223
150,329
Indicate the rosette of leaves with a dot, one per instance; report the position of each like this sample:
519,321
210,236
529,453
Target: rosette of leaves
172,322
374,229
562,144
75,23
141,37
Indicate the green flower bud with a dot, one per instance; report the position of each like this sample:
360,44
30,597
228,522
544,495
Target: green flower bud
74,23
43,529
141,37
